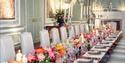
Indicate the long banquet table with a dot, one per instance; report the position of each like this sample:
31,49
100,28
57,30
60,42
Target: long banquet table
105,53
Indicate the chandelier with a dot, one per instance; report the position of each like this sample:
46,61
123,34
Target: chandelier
97,6
60,4
81,1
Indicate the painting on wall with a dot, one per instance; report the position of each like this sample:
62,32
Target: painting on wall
7,9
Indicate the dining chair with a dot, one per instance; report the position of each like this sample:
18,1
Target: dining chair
44,38
71,31
54,33
27,45
63,33
77,29
86,28
81,28
113,25
7,51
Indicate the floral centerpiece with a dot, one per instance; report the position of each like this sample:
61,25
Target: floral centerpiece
88,37
60,53
60,49
59,16
41,56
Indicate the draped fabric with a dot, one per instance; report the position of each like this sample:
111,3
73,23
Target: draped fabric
81,28
97,23
55,35
63,32
77,29
71,31
113,25
44,38
86,28
27,43
7,51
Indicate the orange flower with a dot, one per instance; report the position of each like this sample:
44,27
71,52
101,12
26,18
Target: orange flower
40,50
61,52
59,46
12,61
60,49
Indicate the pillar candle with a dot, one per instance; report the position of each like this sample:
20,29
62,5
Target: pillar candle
64,14
81,11
69,13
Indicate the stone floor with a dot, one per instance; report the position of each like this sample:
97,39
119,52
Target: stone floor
118,55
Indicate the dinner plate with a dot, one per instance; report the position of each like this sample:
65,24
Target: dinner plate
84,61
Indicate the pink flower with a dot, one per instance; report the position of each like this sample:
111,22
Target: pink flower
40,57
31,57
94,43
51,53
88,36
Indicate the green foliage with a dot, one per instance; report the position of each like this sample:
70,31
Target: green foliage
59,13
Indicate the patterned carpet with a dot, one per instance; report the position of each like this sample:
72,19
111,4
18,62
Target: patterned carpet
118,55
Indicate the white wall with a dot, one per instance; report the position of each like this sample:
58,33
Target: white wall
30,16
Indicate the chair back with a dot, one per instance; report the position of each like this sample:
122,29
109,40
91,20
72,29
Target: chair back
114,26
86,28
27,43
7,51
63,33
71,31
77,29
81,28
44,38
55,35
